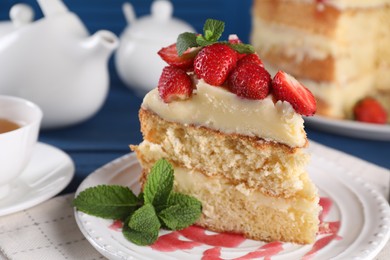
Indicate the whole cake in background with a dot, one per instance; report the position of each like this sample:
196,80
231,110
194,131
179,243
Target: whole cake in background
339,49
235,137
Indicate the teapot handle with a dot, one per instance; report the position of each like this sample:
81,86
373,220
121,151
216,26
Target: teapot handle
52,7
129,13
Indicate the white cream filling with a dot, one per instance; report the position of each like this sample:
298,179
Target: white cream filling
294,42
194,182
219,109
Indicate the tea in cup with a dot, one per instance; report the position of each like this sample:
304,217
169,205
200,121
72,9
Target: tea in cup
19,127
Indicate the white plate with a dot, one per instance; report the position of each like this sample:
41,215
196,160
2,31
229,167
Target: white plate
49,172
350,128
363,212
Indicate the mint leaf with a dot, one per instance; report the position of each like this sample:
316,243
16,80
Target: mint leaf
178,217
242,48
183,211
159,183
107,201
213,29
141,238
184,41
201,41
141,198
145,219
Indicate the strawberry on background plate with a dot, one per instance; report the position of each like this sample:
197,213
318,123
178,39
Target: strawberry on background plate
286,88
369,110
250,80
174,84
185,61
214,63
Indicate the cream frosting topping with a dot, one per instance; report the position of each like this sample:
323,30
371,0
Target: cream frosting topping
219,109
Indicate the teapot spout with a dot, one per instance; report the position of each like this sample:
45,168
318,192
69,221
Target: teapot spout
102,43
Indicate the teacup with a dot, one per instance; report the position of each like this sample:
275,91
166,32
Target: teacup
19,127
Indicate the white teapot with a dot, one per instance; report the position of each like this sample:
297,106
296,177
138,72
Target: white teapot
55,63
136,60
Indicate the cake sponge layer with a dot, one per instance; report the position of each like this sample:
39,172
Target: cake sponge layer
227,207
272,168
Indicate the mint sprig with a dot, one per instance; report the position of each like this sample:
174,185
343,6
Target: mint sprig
212,32
111,202
157,206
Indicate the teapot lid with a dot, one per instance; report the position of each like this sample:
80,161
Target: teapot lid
159,25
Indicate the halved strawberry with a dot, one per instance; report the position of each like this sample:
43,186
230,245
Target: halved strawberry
286,88
249,80
185,61
214,63
369,110
174,84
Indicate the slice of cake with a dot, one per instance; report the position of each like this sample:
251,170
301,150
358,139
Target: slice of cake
235,140
337,48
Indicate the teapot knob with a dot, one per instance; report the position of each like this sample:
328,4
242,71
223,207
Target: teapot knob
21,14
162,9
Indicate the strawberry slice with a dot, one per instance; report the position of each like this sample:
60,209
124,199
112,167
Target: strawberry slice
369,110
286,88
174,84
214,63
185,61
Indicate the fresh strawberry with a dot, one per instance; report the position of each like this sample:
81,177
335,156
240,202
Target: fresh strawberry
249,80
185,61
286,88
174,84
214,63
251,58
369,110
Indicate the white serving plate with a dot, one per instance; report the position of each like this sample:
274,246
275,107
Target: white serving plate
363,212
350,128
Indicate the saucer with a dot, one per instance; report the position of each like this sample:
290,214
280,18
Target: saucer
48,173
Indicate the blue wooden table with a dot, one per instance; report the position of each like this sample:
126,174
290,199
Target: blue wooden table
107,135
